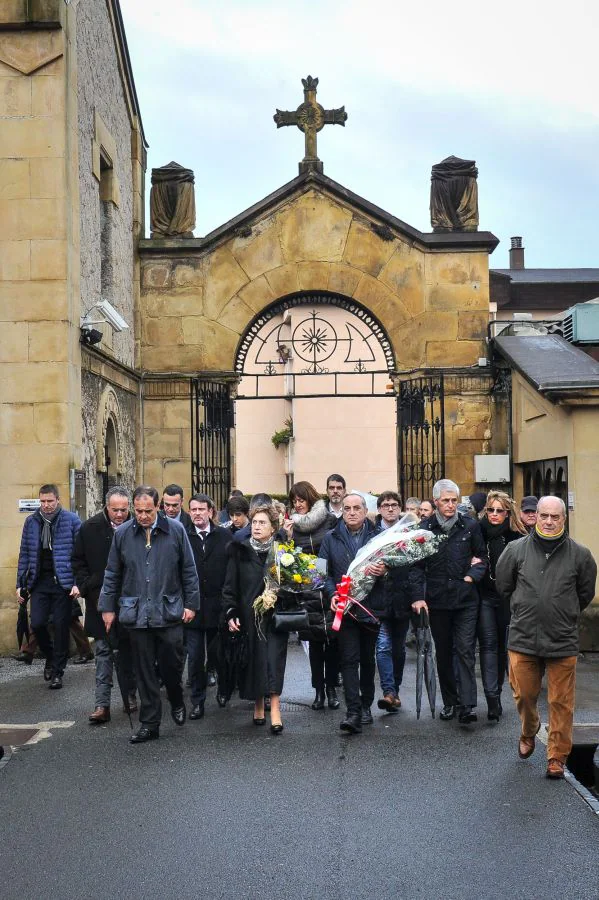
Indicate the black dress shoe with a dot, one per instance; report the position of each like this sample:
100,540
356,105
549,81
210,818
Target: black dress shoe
259,720
211,679
81,660
144,734
276,729
467,716
197,712
318,700
56,683
352,724
221,700
366,717
332,698
178,714
493,709
447,713
48,672
23,657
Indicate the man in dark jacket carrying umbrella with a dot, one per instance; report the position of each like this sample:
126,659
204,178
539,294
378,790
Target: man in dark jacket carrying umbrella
90,556
448,580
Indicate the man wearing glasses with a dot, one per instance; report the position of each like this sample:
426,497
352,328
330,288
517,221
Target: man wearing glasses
548,580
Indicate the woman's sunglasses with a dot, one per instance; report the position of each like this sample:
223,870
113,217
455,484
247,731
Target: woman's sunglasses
494,509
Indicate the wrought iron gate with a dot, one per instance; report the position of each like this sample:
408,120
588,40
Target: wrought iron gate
421,435
212,419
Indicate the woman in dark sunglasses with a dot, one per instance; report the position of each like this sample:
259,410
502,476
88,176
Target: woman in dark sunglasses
500,524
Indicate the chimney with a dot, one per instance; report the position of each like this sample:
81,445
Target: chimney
516,254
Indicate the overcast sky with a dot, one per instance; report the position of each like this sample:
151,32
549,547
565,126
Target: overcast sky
511,85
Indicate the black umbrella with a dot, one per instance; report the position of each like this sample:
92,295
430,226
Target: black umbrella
231,661
22,618
112,637
425,662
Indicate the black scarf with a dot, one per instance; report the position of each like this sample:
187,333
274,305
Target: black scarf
495,538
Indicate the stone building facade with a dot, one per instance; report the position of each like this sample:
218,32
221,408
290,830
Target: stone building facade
72,160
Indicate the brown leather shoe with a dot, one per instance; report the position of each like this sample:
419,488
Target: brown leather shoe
526,747
555,768
100,715
389,702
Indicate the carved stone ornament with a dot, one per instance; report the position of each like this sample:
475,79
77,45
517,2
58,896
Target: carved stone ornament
310,117
454,195
172,202
108,410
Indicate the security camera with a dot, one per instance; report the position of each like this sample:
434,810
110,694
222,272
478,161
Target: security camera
108,315
114,319
90,336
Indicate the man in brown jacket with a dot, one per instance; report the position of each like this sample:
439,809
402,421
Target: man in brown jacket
548,579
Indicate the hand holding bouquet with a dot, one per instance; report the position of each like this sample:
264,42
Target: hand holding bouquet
400,545
292,570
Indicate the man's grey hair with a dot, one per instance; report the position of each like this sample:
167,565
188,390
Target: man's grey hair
117,491
413,501
445,484
553,497
352,494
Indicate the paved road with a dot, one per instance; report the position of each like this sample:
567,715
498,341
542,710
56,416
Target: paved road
221,809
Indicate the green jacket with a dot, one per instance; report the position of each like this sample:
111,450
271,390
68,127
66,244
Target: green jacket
546,595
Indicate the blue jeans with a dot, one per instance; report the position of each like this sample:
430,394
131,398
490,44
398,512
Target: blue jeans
391,653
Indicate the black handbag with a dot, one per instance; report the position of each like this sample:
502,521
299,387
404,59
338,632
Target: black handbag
286,620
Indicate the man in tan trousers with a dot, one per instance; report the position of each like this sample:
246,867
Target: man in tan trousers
548,579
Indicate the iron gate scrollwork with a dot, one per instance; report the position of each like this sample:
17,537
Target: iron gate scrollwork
420,419
212,419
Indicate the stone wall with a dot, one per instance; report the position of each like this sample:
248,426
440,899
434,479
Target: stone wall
103,118
196,305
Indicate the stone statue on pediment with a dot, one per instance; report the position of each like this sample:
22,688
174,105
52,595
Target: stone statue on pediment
454,195
172,202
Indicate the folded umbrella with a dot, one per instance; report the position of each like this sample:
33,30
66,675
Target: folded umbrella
113,642
22,625
231,661
425,662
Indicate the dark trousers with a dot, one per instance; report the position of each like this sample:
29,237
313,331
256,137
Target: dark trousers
493,624
324,663
49,599
199,643
454,634
357,645
165,647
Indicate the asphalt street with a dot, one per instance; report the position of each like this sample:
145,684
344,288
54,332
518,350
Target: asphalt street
222,809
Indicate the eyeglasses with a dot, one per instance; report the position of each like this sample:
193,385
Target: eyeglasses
495,509
389,505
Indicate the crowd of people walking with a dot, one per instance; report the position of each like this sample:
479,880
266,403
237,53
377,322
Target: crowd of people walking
163,585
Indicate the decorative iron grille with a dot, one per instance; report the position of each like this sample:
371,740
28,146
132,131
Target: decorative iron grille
212,420
420,419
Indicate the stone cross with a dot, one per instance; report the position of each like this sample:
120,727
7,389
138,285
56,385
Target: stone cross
310,117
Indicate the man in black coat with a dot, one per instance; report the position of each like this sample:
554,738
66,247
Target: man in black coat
359,631
209,545
90,555
448,579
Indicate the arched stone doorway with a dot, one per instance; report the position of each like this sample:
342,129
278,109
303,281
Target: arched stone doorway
315,396
108,444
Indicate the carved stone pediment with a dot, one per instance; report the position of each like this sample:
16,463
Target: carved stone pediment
28,51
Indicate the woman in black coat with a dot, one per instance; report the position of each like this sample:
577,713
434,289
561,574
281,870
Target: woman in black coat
244,582
309,523
500,525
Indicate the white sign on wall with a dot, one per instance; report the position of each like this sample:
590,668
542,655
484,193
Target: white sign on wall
29,505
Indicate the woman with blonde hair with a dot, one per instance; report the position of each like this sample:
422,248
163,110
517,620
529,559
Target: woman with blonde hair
500,525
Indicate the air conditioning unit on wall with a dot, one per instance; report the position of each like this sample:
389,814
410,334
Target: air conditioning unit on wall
581,323
492,469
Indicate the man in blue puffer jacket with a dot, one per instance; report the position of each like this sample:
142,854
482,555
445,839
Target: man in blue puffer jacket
44,569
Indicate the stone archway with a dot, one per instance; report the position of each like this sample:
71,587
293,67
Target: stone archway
109,452
313,366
